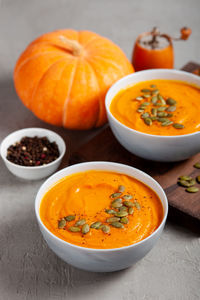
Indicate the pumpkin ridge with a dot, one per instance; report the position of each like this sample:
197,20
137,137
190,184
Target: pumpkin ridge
35,90
91,41
66,100
109,61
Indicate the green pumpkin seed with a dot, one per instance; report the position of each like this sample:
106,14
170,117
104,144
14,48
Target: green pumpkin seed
154,118
145,91
130,210
117,225
145,103
123,208
139,98
156,91
105,228
113,219
197,165
140,110
154,99
116,203
185,177
70,218
187,183
121,188
162,120
158,104
192,189
61,223
137,205
178,126
145,115
169,115
167,123
147,96
121,214
80,222
198,178
148,121
128,203
124,220
162,114
153,86
127,197
171,108
74,229
85,228
154,111
171,101
115,195
96,225
110,211
162,108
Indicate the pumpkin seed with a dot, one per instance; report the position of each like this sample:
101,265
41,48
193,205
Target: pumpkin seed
145,103
121,188
171,101
127,197
117,225
154,99
105,228
167,123
116,203
162,120
153,86
128,203
145,91
70,218
121,214
110,211
178,126
162,114
197,165
198,178
162,108
74,229
145,115
185,177
80,222
130,210
162,100
158,104
123,208
154,111
85,228
61,223
171,108
137,205
169,115
140,110
115,195
139,98
96,225
113,219
187,183
154,118
192,189
147,96
124,220
148,121
156,91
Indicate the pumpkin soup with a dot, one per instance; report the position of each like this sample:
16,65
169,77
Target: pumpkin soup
159,107
100,209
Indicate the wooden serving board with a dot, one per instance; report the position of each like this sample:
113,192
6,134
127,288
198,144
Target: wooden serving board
105,147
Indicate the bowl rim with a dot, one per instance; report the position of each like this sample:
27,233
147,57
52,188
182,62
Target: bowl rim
109,164
30,129
133,75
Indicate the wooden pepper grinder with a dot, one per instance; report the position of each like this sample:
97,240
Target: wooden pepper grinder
153,50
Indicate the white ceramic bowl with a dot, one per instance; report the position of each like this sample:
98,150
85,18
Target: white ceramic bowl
101,260
148,146
35,172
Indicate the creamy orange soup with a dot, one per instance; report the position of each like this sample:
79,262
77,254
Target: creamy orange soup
89,196
179,117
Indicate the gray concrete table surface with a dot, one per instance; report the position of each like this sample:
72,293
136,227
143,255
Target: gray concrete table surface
28,268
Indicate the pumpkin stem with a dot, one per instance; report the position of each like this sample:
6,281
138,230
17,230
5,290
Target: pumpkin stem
71,45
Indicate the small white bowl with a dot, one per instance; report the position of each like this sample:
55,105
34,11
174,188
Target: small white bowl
149,146
35,172
101,260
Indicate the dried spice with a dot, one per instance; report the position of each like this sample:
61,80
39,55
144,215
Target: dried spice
33,151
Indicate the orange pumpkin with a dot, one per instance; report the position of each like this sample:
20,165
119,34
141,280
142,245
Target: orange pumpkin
63,77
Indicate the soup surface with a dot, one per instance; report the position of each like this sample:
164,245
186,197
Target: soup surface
90,197
159,107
